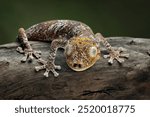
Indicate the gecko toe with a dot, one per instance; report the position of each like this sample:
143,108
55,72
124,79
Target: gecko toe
54,72
20,50
46,74
120,60
124,55
110,61
40,60
106,56
30,58
38,68
37,54
58,67
24,59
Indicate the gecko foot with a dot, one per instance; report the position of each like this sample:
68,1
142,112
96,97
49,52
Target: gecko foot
49,67
28,54
117,55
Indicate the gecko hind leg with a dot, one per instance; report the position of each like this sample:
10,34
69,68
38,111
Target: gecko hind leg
26,48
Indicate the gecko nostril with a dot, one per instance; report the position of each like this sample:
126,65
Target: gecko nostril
77,65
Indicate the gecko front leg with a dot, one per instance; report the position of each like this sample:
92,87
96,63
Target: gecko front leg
113,54
26,48
49,65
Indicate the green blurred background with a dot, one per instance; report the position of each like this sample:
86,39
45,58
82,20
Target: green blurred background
110,17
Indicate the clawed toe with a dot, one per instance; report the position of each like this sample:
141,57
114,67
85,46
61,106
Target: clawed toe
55,73
57,67
106,56
20,50
37,54
24,59
110,61
46,73
38,68
40,60
124,55
120,60
30,56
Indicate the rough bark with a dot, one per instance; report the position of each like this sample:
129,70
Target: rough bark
131,80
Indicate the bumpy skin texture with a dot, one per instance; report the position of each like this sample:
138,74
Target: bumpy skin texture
80,43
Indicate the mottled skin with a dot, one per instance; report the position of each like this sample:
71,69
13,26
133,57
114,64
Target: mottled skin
81,45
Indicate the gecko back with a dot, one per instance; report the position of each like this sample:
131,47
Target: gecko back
55,29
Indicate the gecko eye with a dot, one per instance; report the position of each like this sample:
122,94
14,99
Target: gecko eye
93,51
68,50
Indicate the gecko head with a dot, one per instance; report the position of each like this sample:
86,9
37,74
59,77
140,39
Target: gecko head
81,53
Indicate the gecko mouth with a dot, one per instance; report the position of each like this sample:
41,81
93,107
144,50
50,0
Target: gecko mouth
79,67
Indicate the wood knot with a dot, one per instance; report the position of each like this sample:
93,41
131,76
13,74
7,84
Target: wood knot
132,42
148,52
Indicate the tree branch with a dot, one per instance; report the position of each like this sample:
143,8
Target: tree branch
131,80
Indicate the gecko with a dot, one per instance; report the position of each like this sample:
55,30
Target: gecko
81,46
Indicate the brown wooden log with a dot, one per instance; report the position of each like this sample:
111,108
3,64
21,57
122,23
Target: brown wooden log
131,80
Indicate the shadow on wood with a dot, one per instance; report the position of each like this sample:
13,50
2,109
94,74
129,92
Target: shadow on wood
131,80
